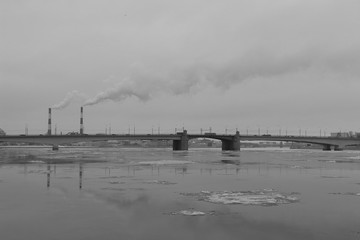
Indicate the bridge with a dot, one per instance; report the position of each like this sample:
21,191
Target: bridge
230,142
328,143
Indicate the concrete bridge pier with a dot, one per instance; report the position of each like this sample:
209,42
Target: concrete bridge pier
233,144
183,143
327,147
338,148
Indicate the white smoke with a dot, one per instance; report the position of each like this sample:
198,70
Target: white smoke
119,92
146,81
69,98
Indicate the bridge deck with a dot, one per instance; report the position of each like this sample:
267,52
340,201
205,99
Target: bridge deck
61,139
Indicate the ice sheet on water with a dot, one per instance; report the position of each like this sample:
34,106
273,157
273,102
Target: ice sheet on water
36,161
354,157
40,171
115,177
116,182
163,162
163,182
113,189
266,197
191,213
347,193
334,177
346,160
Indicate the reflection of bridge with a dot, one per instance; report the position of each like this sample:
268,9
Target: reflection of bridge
180,140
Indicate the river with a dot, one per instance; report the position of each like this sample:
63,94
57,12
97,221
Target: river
144,193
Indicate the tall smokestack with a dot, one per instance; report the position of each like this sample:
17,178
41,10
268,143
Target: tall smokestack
49,123
81,121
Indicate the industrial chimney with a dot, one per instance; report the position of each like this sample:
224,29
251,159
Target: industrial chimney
81,121
49,123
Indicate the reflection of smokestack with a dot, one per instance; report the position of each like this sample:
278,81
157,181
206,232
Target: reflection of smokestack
81,121
49,123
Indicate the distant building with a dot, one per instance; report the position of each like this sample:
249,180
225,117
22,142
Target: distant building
2,132
344,134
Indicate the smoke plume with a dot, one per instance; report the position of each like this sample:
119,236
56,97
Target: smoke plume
69,98
145,82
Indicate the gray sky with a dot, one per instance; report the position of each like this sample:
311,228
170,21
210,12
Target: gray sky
286,64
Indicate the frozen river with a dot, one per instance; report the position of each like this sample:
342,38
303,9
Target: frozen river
117,193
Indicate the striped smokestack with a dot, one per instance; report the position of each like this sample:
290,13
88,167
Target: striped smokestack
49,123
81,120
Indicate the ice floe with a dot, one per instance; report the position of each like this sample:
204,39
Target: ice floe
116,182
267,197
163,162
36,161
334,177
191,213
347,193
354,157
163,182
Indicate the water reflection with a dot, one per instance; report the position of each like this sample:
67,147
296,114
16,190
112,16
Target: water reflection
49,171
181,170
48,175
80,175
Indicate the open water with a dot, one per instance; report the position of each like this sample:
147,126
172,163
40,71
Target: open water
117,193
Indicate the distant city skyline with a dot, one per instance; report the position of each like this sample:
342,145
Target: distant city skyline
159,64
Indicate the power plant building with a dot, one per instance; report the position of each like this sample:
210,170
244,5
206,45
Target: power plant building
2,132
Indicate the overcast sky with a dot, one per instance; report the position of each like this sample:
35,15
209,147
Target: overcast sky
283,64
